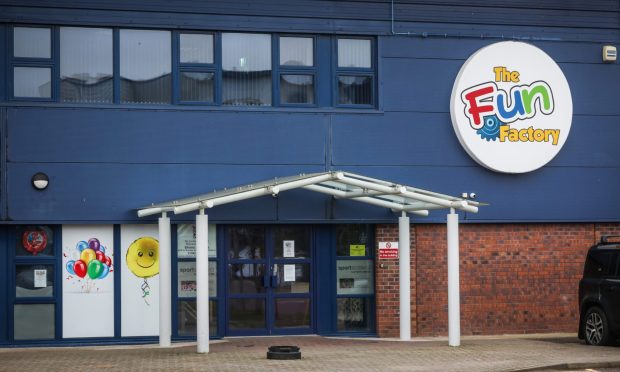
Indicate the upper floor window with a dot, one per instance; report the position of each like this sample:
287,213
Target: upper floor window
246,69
197,71
32,62
145,66
86,73
297,70
134,66
355,72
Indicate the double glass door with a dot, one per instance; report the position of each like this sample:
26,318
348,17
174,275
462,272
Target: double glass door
269,279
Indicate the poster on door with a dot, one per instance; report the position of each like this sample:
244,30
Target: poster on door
88,265
139,263
186,277
186,241
355,277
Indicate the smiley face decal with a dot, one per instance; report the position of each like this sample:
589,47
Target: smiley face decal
143,257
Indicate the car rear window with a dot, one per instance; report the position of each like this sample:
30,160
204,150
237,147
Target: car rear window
597,264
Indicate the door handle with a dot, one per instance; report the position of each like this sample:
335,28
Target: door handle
266,281
274,276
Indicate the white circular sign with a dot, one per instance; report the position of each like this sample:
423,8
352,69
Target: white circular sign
511,107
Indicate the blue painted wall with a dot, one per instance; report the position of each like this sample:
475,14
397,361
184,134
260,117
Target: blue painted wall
106,161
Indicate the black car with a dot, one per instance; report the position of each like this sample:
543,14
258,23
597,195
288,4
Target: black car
599,293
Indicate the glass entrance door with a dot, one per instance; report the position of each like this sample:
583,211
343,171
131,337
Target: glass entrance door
269,279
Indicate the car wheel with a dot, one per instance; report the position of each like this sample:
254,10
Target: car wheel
596,327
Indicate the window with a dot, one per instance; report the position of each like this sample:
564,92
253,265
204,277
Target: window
32,62
355,286
197,70
355,72
186,280
36,285
246,69
297,70
95,65
86,65
145,66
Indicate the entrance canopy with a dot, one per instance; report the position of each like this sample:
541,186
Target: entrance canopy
341,185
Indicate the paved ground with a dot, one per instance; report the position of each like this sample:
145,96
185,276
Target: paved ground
327,354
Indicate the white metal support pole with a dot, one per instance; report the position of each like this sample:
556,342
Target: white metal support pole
202,281
165,281
454,306
404,271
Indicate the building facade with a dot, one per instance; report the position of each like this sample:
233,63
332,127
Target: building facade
121,104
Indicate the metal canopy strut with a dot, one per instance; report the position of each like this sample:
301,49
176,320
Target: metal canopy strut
340,185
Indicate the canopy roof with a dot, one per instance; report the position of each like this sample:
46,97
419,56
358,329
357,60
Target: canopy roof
341,185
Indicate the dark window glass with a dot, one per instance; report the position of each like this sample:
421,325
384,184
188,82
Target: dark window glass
32,42
197,86
354,53
32,82
354,314
246,242
33,322
300,283
145,66
297,89
352,240
34,241
86,65
34,280
246,313
292,312
597,264
246,69
354,90
295,238
246,278
196,48
187,316
296,51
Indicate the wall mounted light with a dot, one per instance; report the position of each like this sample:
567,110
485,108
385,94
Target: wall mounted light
40,181
610,54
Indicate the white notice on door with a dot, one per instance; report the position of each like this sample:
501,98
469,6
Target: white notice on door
40,278
288,248
289,273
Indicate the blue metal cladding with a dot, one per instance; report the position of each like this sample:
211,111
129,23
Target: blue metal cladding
105,161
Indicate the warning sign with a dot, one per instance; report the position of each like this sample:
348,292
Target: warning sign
388,250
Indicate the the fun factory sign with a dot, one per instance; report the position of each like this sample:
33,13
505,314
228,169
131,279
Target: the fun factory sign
511,107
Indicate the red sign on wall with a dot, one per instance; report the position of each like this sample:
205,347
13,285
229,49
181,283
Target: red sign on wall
388,250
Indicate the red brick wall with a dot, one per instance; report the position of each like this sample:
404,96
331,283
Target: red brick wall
387,284
515,278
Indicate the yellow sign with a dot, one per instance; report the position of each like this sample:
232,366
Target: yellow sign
357,250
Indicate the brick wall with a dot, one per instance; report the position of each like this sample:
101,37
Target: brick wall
515,278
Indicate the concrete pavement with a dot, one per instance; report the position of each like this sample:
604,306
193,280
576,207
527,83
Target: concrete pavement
503,353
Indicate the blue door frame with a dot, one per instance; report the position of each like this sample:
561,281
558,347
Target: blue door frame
269,283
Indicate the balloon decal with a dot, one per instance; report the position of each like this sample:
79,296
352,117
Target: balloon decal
143,261
93,263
